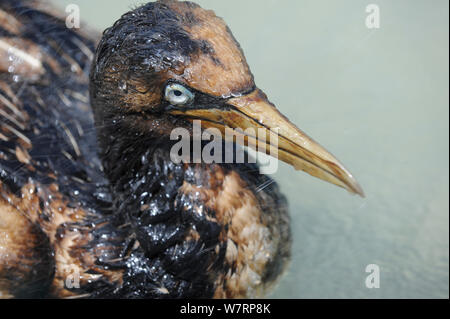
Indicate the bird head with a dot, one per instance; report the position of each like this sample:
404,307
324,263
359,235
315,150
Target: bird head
168,63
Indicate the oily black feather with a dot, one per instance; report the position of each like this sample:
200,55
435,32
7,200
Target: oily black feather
53,114
141,235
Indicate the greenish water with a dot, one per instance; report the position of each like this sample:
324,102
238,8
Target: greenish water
377,99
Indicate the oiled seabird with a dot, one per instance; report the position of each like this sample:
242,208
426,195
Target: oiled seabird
91,204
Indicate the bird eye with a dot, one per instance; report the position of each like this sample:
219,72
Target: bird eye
177,94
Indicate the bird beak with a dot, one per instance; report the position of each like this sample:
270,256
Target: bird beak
254,111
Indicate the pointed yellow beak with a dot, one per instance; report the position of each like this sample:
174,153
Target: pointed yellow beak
293,146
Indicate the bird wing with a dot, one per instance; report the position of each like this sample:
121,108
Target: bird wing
50,173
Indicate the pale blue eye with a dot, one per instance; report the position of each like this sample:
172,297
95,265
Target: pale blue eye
176,94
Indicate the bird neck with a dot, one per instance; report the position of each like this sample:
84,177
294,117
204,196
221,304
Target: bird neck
147,197
182,217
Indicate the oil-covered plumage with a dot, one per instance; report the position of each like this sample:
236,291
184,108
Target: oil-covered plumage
92,204
146,228
47,142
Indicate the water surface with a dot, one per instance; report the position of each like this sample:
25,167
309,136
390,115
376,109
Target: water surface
378,100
